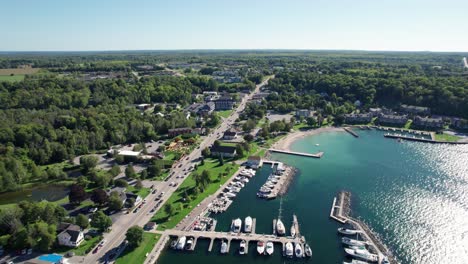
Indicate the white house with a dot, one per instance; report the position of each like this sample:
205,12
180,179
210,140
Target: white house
71,236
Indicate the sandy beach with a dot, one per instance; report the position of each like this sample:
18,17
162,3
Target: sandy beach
285,143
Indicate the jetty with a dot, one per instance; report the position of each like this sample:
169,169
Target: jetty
340,207
349,130
414,138
316,155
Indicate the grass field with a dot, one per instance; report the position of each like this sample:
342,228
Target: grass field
446,137
14,78
181,208
224,113
138,255
85,247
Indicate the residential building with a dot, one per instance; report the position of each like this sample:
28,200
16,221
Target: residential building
70,236
375,111
415,110
398,120
303,113
254,162
460,123
358,118
223,151
428,122
224,103
207,109
229,135
210,93
179,131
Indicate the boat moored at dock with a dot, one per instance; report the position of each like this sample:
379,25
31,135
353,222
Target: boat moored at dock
248,224
345,231
181,243
298,250
269,248
242,248
307,250
280,229
224,246
289,252
261,247
362,254
236,225
352,242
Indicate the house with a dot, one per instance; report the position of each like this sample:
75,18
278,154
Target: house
254,162
206,109
150,226
223,151
303,113
415,110
428,122
124,196
179,131
224,103
143,106
229,135
70,236
358,118
210,93
133,196
199,131
128,155
397,120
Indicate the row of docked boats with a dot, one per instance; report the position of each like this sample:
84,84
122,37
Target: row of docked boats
297,250
236,225
247,173
182,243
266,189
356,248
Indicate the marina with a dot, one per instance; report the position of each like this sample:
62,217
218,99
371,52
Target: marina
277,183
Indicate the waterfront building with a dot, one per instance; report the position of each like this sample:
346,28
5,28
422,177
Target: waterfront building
424,122
223,151
415,110
303,113
398,120
358,118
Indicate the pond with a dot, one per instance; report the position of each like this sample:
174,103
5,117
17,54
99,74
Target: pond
50,193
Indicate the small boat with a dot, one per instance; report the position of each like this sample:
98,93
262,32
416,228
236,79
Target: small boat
188,245
245,180
236,225
345,231
230,195
242,247
181,243
289,250
261,247
355,261
248,224
173,244
362,254
269,248
317,144
280,228
293,230
307,251
298,250
224,247
352,242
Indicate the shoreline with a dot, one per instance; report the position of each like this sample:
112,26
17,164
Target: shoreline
286,142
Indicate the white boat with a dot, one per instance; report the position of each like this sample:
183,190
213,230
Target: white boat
224,247
362,254
345,231
298,250
173,244
245,180
352,242
248,224
236,225
289,250
293,231
242,247
188,245
317,144
181,243
239,184
261,247
307,251
355,261
230,194
269,248
280,230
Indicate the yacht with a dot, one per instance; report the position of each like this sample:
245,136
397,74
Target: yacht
280,228
298,250
181,243
230,195
352,242
307,251
269,248
345,231
242,247
261,247
293,230
245,180
248,224
224,247
236,225
362,254
289,250
188,245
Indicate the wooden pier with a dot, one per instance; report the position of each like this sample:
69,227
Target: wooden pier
316,155
349,130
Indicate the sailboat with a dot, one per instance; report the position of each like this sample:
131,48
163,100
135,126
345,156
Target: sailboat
289,250
298,250
224,247
293,231
280,229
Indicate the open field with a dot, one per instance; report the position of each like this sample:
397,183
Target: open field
18,71
447,137
138,254
14,78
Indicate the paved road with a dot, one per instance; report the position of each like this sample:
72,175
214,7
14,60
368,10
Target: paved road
115,237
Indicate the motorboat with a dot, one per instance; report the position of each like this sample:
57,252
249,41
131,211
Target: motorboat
289,250
181,243
355,261
239,184
248,224
352,242
345,231
224,247
298,250
242,251
269,248
188,245
261,247
236,225
245,180
230,194
293,231
307,251
362,254
280,230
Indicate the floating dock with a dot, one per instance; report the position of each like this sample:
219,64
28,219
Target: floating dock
349,130
316,155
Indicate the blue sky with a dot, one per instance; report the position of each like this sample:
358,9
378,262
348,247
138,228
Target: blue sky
56,25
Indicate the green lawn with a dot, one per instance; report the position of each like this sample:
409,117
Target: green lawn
143,192
85,247
138,255
225,113
446,137
408,124
14,78
181,208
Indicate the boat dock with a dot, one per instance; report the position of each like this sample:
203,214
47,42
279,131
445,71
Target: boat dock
316,155
421,139
340,207
283,179
349,130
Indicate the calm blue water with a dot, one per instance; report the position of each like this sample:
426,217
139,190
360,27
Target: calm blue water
415,195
